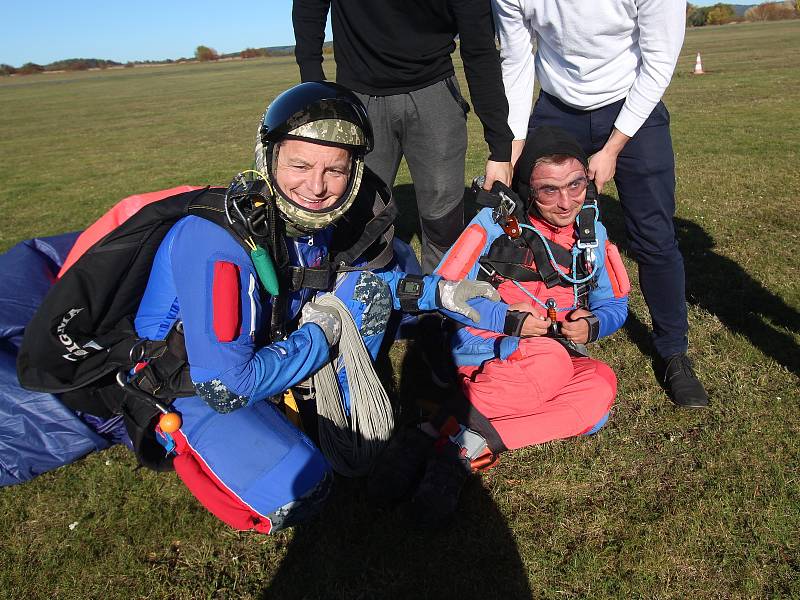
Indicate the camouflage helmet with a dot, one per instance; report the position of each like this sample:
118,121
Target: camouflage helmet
319,112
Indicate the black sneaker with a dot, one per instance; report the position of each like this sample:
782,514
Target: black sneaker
400,468
436,499
682,384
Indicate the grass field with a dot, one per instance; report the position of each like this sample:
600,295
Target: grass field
662,503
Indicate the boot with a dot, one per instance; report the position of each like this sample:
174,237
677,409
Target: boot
681,382
436,499
400,468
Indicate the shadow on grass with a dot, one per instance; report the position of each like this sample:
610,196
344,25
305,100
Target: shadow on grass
353,550
722,287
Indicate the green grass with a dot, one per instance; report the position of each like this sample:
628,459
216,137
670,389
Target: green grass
663,503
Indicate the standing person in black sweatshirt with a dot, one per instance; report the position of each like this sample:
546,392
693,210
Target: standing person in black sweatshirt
395,54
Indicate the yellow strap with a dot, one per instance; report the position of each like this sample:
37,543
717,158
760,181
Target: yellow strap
291,409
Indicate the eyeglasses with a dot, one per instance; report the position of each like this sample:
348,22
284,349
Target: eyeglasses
549,194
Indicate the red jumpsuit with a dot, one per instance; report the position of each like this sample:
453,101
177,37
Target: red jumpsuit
532,390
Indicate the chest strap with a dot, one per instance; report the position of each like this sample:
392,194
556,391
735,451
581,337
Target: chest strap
516,259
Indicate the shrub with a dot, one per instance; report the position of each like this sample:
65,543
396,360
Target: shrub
252,53
696,15
204,53
772,11
76,65
720,14
30,68
6,70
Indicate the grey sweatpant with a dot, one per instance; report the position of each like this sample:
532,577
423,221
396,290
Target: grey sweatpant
428,127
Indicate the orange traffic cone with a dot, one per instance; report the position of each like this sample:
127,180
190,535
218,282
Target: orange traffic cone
698,66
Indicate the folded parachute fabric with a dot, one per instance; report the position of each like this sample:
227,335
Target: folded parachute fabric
37,432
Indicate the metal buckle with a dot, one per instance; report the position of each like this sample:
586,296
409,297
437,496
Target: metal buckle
123,382
506,207
591,257
136,354
491,274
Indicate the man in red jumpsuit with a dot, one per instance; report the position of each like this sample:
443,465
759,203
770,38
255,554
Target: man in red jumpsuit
526,375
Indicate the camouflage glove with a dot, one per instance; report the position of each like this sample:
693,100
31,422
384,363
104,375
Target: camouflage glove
453,296
327,319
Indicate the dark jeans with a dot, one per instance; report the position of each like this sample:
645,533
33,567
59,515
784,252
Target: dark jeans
428,127
645,179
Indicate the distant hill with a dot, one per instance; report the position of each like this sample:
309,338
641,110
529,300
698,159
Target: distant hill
83,64
80,64
69,64
273,51
740,9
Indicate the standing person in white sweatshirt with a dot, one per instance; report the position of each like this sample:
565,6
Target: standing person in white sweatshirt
603,67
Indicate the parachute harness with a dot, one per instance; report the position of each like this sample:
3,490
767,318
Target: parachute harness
576,251
253,219
351,443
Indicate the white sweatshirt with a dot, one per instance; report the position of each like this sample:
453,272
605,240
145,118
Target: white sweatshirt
590,53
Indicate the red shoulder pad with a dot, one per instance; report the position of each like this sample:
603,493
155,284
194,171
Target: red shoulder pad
227,315
617,275
464,253
115,217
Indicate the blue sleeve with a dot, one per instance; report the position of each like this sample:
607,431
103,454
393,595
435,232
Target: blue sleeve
492,314
229,374
610,310
426,302
277,367
473,350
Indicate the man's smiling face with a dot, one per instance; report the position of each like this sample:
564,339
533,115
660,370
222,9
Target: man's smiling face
559,191
312,176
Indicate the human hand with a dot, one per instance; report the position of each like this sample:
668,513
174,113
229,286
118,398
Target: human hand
534,324
575,328
602,167
497,171
326,318
453,296
603,164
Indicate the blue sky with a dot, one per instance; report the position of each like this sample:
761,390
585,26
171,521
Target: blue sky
46,31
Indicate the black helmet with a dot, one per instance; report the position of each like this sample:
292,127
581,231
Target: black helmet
323,113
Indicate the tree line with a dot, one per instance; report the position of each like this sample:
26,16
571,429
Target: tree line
720,14
202,53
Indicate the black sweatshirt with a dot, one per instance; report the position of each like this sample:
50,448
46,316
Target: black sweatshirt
386,47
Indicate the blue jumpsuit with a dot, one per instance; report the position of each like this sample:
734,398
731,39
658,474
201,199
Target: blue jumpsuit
243,443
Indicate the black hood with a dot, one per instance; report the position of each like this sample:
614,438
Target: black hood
543,141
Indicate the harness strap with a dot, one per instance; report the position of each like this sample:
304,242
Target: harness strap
165,374
511,261
380,224
315,278
585,226
211,206
587,219
547,272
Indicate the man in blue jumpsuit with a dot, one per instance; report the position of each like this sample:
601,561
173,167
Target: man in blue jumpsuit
236,452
